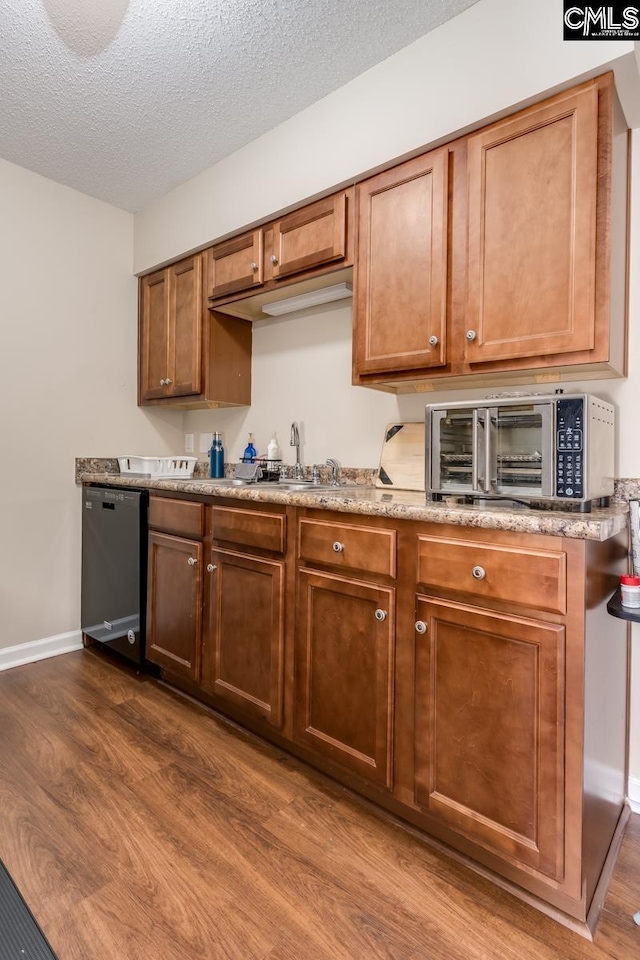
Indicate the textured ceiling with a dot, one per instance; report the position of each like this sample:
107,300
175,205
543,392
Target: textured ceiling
124,101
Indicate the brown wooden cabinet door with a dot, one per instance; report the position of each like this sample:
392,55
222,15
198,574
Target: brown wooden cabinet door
174,604
532,231
310,237
185,327
490,730
244,648
236,264
344,672
154,335
401,267
171,331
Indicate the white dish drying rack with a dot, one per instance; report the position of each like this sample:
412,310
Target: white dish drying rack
160,467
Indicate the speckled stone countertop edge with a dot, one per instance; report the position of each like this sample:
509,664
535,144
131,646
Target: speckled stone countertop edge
600,524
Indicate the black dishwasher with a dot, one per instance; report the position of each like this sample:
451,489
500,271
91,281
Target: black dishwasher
114,568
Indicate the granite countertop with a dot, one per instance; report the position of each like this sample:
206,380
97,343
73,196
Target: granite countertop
600,524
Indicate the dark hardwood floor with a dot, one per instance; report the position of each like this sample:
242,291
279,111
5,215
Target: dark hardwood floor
138,826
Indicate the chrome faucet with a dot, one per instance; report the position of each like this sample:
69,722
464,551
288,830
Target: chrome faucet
335,466
295,442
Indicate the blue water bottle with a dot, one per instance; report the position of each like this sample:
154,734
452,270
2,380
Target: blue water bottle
216,457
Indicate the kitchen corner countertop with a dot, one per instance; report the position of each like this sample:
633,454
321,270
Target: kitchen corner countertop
601,524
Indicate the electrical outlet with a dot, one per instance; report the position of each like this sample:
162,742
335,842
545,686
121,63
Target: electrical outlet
205,442
188,443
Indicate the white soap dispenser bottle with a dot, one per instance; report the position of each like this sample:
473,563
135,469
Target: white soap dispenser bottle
273,448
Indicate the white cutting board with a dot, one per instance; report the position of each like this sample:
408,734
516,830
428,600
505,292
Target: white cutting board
402,458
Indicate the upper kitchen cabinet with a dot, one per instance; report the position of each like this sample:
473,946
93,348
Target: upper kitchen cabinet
533,183
533,261
236,265
312,237
401,273
170,325
304,247
188,356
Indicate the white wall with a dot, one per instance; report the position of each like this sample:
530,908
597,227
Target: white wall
302,371
68,388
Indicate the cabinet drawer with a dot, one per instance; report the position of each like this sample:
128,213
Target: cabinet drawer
521,576
310,237
184,517
235,264
347,546
250,528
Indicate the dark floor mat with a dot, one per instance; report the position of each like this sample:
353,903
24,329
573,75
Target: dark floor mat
20,935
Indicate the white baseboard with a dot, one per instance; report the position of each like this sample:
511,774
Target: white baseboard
634,794
39,649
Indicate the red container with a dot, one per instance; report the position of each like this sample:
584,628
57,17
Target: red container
630,591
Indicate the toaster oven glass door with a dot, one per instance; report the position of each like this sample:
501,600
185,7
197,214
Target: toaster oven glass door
522,451
456,450
500,450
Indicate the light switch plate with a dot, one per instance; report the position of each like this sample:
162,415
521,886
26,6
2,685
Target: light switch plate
205,442
188,443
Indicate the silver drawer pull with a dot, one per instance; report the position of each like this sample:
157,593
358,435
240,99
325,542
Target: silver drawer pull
380,615
338,547
211,567
421,626
254,266
471,335
192,561
274,259
478,573
433,341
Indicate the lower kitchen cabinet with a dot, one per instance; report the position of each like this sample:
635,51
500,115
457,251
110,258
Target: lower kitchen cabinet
489,746
344,672
174,606
469,680
244,642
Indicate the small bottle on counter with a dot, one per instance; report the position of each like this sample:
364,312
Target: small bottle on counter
630,591
273,448
216,457
250,452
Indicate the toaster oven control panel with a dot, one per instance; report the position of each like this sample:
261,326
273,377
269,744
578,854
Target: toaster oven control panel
570,448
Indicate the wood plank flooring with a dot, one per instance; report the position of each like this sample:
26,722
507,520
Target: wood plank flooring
138,826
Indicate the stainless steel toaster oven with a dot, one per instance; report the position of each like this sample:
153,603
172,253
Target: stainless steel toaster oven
551,447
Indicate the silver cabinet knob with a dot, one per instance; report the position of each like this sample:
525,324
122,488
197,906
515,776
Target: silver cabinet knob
338,547
211,567
274,259
192,561
163,382
380,615
433,341
168,382
471,335
421,626
478,573
254,266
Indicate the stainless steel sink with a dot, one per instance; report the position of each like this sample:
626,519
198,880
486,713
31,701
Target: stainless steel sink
308,486
291,486
303,486
288,486
225,481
